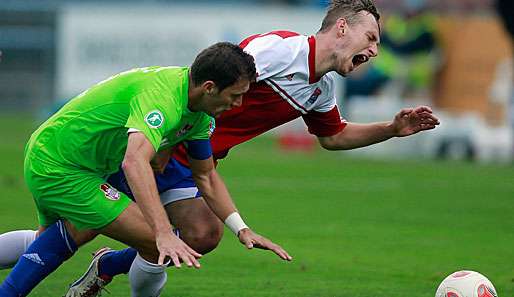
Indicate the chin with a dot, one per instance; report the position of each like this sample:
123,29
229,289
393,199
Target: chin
343,73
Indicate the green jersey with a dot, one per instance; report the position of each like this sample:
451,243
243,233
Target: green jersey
91,131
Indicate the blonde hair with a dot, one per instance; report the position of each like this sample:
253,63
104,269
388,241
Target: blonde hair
348,9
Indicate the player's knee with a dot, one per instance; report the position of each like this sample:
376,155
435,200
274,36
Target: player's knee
80,237
204,239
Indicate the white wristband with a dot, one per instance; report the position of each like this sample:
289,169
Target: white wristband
235,223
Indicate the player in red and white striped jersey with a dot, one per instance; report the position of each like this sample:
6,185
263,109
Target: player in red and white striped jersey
296,77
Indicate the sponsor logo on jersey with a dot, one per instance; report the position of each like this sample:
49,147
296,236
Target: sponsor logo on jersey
34,258
154,119
184,130
212,126
314,96
110,192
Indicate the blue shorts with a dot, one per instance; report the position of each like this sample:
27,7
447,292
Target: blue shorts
176,183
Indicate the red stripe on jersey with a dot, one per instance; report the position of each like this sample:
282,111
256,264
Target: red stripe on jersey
324,124
283,34
312,60
287,95
245,42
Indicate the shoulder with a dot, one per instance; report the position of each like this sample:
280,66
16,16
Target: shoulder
275,51
276,44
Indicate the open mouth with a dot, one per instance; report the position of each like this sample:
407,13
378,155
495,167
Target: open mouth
359,59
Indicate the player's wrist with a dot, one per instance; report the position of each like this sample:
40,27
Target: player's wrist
391,129
235,223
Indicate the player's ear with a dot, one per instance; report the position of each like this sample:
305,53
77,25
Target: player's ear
209,87
341,26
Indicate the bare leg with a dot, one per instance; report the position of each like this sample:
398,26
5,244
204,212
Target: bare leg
131,228
199,227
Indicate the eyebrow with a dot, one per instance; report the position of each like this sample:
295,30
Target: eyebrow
373,37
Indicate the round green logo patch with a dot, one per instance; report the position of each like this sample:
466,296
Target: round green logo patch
154,119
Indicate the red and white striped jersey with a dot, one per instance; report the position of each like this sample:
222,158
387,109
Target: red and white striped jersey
285,61
286,89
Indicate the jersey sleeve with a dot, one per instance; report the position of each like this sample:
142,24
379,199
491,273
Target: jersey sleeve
149,116
271,54
327,100
204,128
324,124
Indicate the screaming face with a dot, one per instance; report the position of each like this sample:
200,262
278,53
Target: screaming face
357,43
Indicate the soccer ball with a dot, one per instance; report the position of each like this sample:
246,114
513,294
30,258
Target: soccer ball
466,283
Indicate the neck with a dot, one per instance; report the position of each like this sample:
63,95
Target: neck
324,59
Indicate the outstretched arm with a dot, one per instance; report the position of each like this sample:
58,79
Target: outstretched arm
407,122
217,197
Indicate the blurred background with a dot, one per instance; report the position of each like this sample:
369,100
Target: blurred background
455,56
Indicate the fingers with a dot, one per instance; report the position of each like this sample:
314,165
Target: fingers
251,240
427,121
281,252
190,260
423,127
162,256
248,242
180,254
421,109
180,257
405,112
193,252
175,260
266,244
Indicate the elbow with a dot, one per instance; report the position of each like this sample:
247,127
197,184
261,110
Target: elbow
329,146
204,175
334,144
129,162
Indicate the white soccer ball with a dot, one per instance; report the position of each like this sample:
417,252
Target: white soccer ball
466,283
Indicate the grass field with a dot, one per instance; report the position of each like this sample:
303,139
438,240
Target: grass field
357,228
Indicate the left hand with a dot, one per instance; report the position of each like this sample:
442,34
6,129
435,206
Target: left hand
413,120
251,239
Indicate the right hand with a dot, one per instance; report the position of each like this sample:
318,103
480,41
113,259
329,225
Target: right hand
169,245
251,239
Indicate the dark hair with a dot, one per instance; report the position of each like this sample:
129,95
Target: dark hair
349,10
224,63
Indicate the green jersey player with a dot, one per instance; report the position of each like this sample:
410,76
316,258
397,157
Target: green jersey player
68,156
125,121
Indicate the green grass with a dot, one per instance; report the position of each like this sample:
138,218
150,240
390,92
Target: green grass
355,227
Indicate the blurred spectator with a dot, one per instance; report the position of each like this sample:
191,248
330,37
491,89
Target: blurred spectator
506,11
407,55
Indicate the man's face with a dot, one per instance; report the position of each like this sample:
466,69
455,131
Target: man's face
230,97
358,44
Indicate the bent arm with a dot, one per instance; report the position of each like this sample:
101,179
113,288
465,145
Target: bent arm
213,188
140,177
